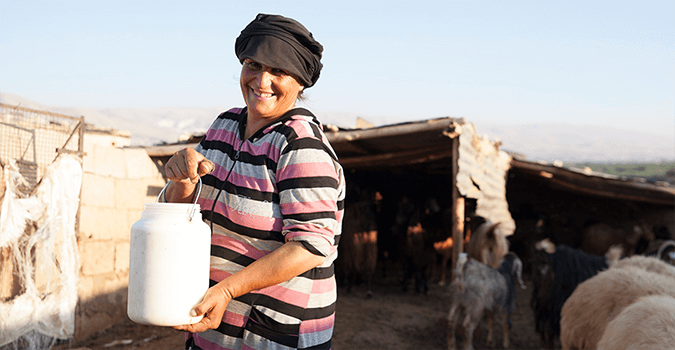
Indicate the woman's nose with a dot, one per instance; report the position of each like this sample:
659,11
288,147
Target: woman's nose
265,79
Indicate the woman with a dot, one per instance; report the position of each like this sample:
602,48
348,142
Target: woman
273,193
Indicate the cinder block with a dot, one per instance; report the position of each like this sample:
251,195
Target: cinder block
122,250
105,161
139,164
104,224
131,193
97,257
98,191
154,187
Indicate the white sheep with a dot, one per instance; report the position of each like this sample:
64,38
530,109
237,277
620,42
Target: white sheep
478,288
598,300
647,324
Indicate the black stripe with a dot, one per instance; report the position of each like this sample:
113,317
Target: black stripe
230,330
226,223
312,216
319,273
262,325
311,248
229,255
295,311
307,182
303,143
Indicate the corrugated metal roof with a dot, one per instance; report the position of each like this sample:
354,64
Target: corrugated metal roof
426,146
596,184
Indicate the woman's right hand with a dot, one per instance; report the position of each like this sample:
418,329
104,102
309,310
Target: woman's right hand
187,166
184,169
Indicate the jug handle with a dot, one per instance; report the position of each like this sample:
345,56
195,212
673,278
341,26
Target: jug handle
194,205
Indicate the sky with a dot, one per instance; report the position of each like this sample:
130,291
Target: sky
590,62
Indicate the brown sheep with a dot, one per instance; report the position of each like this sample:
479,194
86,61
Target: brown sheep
597,238
647,324
357,251
598,300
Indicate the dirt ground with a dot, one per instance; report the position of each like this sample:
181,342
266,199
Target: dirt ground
389,319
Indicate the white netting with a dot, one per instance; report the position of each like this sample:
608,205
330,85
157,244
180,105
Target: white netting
38,231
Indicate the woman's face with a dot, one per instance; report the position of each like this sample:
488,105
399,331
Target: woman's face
268,92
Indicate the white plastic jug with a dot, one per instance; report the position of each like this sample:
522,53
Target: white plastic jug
168,263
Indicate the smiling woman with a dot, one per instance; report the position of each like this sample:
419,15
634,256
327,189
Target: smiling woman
273,195
268,92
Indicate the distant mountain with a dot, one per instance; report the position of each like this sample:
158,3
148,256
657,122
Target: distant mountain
581,143
545,142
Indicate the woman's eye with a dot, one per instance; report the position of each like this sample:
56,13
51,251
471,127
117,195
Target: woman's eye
253,65
277,71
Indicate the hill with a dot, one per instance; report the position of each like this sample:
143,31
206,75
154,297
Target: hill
545,141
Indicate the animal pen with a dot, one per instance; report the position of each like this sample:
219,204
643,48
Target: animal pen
41,166
443,158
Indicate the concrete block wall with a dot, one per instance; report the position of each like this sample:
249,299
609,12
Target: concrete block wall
116,185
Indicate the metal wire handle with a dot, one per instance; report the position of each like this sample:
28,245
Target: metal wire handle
194,205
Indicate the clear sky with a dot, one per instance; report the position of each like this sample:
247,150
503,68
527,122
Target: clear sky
578,62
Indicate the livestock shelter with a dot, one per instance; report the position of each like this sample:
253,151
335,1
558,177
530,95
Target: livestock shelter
558,202
443,159
447,160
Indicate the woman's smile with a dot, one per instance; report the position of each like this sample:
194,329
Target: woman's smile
269,92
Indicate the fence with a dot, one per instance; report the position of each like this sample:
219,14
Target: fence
35,138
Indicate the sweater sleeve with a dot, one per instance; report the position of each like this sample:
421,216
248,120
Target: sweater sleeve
310,183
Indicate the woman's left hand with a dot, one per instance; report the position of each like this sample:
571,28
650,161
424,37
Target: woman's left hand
212,306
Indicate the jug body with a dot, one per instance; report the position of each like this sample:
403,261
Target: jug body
169,264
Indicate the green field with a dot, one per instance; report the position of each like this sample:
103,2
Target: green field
631,169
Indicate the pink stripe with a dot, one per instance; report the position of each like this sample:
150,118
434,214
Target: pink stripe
237,246
267,149
235,319
206,345
298,125
323,286
309,169
221,135
286,295
318,325
307,230
307,207
339,215
252,182
246,347
218,275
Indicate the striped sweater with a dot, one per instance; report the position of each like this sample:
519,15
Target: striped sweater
282,184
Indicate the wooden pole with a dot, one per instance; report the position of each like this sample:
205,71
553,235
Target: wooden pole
457,209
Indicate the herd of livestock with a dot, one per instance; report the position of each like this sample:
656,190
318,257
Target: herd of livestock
616,290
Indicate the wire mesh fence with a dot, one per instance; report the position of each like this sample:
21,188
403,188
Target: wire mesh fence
34,138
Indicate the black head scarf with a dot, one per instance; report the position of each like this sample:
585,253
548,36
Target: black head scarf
280,42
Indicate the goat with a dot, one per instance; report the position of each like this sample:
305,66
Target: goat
477,288
414,244
556,272
487,244
598,238
445,248
357,250
597,301
647,324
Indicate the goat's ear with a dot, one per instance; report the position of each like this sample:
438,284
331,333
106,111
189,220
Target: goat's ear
545,245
